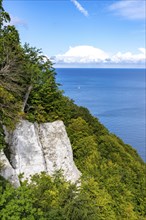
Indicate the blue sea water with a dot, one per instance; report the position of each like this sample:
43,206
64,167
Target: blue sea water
115,96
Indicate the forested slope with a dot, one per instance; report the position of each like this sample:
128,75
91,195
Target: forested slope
113,184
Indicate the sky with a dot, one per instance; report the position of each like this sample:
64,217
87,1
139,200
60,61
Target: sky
83,33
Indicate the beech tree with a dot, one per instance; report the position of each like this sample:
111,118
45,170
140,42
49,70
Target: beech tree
38,69
11,74
22,69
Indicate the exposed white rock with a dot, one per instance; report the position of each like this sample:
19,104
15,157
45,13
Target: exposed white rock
7,171
57,150
26,150
42,147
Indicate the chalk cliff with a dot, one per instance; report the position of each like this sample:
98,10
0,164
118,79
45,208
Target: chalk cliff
7,171
40,147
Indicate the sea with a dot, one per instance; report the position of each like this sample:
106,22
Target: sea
117,97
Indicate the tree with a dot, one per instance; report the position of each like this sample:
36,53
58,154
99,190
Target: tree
4,16
12,77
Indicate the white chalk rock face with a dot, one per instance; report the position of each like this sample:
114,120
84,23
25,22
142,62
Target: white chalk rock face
57,150
7,171
26,150
42,147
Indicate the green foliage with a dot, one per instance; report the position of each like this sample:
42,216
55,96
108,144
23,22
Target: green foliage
12,77
44,198
90,203
97,128
4,16
44,99
54,198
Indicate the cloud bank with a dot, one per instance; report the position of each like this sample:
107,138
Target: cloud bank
128,57
130,9
91,55
80,8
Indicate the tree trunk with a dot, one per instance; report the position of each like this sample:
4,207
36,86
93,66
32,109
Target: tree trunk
26,97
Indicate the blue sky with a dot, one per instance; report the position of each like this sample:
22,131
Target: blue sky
83,33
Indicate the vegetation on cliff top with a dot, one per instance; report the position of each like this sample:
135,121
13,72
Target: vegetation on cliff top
113,175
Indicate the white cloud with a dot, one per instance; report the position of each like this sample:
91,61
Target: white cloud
131,9
128,57
143,50
92,55
17,21
80,8
82,54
